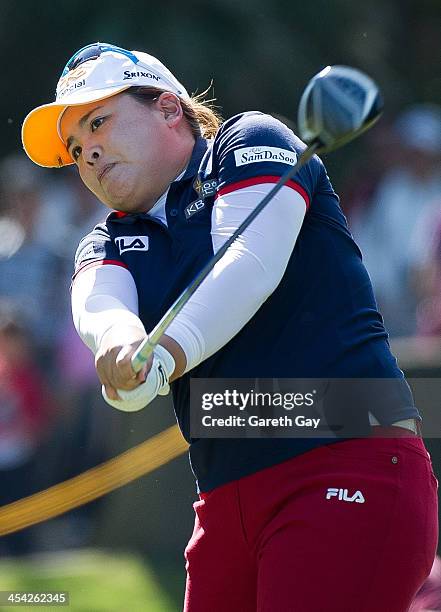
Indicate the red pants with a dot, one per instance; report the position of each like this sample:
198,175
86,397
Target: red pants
297,537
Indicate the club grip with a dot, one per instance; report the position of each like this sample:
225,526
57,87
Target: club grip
142,355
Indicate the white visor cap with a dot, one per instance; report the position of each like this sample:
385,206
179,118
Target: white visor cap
93,73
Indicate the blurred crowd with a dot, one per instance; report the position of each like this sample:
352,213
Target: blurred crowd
48,389
393,202
49,394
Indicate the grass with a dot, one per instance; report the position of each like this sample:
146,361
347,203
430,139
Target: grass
96,581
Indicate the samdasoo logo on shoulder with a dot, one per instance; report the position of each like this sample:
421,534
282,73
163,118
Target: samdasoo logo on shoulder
251,155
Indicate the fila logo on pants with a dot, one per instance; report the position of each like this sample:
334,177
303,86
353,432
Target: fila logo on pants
342,494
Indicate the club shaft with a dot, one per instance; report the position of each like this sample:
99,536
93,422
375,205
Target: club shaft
147,347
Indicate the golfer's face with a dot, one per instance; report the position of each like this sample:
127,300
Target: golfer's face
118,146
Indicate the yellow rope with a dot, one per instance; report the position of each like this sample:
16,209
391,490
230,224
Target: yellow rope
93,483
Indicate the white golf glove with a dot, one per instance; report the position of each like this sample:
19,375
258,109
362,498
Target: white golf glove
155,384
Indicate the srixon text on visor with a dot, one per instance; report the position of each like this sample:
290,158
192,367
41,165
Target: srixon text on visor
135,75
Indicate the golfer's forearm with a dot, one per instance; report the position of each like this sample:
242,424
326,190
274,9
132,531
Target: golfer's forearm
246,275
178,355
105,299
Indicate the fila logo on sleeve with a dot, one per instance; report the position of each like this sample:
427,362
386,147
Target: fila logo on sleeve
343,495
132,243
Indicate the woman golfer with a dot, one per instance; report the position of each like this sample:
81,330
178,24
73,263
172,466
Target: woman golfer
282,524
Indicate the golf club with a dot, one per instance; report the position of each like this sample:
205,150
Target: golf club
338,104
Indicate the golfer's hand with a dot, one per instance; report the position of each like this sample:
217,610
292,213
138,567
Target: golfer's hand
156,383
113,362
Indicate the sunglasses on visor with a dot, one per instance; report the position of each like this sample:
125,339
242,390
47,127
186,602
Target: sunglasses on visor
93,51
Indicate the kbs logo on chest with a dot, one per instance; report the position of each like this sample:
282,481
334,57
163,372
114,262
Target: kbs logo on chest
252,155
132,243
193,208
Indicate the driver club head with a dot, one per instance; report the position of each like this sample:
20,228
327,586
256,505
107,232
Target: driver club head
338,104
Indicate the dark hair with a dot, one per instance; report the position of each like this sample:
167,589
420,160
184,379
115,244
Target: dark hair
202,116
